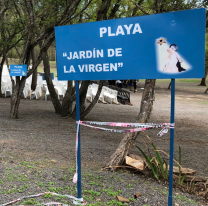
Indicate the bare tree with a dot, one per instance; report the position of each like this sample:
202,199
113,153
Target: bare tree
39,31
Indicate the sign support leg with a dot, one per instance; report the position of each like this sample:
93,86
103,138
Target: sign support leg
79,184
172,120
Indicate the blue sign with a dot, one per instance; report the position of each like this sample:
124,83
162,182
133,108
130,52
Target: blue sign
18,70
160,46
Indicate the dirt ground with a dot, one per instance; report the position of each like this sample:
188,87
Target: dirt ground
44,138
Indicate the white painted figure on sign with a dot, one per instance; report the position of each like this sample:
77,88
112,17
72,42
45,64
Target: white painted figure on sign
173,62
169,60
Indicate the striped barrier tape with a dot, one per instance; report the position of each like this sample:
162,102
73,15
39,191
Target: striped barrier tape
138,127
76,201
120,124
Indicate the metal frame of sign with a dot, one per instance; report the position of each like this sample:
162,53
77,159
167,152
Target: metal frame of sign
174,22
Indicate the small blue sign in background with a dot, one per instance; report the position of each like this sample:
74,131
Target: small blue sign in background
161,46
18,70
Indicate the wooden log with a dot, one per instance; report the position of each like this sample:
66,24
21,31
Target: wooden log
190,178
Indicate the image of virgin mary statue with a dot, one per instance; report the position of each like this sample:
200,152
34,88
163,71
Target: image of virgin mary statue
169,59
173,62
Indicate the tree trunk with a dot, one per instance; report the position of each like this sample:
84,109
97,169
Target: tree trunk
82,96
1,70
203,80
35,73
68,100
169,86
126,143
83,93
54,96
94,101
17,92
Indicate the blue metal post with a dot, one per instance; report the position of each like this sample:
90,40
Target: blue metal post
79,184
172,120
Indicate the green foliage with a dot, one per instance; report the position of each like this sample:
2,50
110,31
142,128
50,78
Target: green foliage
151,165
41,184
93,183
159,167
11,191
132,199
91,192
51,183
160,164
111,192
30,202
114,202
185,199
165,192
52,189
47,195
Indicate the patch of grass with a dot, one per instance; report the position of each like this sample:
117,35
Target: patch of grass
91,192
21,178
48,195
114,202
41,184
11,191
202,102
26,164
93,183
22,188
65,177
188,80
177,80
30,202
165,192
71,170
52,189
132,199
129,186
185,199
9,168
3,191
60,189
112,193
9,176
60,197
